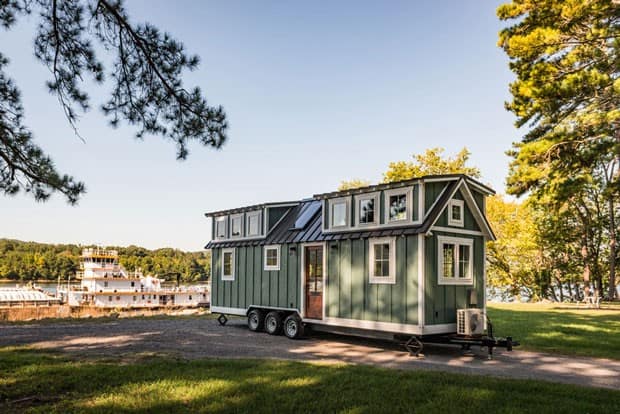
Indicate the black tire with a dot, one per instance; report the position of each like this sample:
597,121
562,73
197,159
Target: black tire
294,327
256,320
273,323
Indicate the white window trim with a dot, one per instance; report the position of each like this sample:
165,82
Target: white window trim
408,192
377,211
256,214
452,221
347,215
233,217
457,241
271,247
219,220
391,279
232,267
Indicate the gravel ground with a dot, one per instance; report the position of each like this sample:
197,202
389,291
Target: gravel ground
201,337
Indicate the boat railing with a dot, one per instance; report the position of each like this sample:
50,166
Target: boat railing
100,252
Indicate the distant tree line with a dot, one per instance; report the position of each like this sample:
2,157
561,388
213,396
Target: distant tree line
25,261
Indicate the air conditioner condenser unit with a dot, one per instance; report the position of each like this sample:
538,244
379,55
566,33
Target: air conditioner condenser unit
470,322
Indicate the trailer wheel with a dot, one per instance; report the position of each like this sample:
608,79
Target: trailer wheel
273,323
256,320
293,327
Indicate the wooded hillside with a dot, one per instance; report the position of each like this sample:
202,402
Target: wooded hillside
21,260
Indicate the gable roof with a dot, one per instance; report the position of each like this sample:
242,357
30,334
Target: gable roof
442,203
284,232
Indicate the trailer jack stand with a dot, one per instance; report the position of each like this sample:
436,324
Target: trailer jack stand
222,319
415,347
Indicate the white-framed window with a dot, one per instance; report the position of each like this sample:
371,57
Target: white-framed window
228,264
221,224
455,261
339,213
367,210
272,257
382,260
253,223
456,213
236,225
398,205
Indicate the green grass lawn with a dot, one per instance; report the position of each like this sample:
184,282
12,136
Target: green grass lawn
559,328
40,382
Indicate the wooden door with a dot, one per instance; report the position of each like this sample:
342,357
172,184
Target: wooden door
314,282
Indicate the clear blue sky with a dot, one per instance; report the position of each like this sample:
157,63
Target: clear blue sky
315,92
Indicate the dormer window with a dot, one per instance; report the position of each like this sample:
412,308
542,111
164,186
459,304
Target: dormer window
398,203
339,216
253,223
367,209
220,227
236,225
456,213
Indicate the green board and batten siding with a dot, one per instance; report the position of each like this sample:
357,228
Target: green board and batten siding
255,286
351,296
348,293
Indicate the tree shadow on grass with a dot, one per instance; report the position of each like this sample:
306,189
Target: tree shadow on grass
222,386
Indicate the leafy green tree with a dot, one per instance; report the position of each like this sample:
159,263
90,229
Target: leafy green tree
432,162
145,78
513,259
352,184
566,57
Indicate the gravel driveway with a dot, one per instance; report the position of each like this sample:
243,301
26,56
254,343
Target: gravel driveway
198,337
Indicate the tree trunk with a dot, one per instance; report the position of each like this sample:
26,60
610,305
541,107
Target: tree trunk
612,249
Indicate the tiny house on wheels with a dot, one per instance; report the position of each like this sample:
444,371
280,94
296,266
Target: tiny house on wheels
404,258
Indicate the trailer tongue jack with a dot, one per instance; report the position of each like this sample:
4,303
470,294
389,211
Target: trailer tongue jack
415,344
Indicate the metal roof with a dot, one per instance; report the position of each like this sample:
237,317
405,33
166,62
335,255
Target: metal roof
251,208
402,183
285,231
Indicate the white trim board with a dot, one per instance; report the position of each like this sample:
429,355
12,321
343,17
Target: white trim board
396,328
228,311
457,231
421,276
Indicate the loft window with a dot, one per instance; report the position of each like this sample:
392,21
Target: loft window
398,205
455,261
272,257
456,213
367,211
367,207
228,264
382,260
236,225
220,227
253,223
339,213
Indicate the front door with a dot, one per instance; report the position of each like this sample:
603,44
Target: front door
314,282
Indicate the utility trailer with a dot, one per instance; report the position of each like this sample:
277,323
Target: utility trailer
404,258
